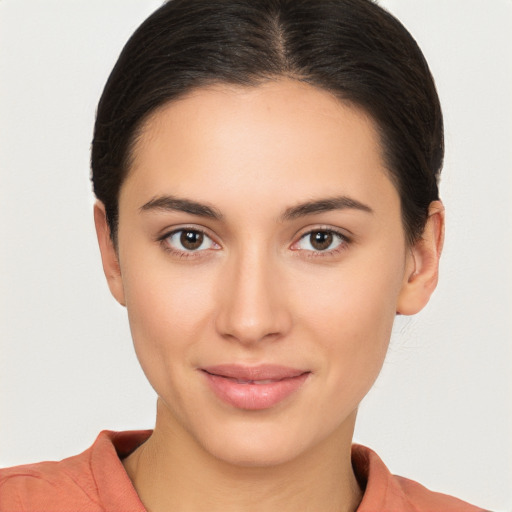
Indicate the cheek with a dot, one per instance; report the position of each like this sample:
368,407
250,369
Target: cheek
356,336
168,311
351,316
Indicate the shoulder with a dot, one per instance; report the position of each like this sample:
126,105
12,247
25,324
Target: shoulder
426,500
88,482
386,492
48,486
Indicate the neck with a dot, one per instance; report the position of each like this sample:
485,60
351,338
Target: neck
171,471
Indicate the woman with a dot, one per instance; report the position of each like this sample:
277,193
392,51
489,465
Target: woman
266,175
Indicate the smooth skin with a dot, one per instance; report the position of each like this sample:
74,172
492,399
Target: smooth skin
260,225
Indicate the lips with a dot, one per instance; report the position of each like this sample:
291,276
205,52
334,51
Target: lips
254,387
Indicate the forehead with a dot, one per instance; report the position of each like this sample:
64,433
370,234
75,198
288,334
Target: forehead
281,139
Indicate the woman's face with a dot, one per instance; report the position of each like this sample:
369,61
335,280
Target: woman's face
262,257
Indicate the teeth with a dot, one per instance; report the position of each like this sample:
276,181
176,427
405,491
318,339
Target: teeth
267,381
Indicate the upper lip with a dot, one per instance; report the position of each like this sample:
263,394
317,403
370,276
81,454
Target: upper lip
258,372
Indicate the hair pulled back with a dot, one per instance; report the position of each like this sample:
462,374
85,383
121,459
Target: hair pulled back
351,48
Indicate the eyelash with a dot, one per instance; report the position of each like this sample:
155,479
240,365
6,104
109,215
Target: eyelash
343,239
183,254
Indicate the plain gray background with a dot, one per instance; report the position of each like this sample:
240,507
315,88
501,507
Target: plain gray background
441,411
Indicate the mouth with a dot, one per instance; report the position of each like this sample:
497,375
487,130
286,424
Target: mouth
254,387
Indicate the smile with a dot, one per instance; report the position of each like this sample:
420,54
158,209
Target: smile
254,388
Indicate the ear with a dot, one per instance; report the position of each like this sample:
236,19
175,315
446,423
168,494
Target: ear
423,264
109,256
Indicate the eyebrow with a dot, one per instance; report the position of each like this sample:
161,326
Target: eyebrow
171,203
324,205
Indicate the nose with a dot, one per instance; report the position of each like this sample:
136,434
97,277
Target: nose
252,303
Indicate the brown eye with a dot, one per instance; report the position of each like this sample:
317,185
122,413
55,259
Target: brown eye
191,240
321,240
188,241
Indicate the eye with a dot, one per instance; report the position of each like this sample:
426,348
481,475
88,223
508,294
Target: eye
320,240
189,240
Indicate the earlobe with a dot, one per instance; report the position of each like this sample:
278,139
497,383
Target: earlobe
109,256
421,277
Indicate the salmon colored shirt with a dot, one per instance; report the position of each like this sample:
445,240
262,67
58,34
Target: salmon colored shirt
96,481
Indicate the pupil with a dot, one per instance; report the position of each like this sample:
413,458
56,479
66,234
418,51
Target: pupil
191,239
321,240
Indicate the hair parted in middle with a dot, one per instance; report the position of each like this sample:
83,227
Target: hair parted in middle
353,49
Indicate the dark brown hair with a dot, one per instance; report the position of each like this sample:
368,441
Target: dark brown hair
352,48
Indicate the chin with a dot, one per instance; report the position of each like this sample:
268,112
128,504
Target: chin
257,444
251,453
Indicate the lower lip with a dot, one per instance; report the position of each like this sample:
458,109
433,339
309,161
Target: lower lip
254,397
